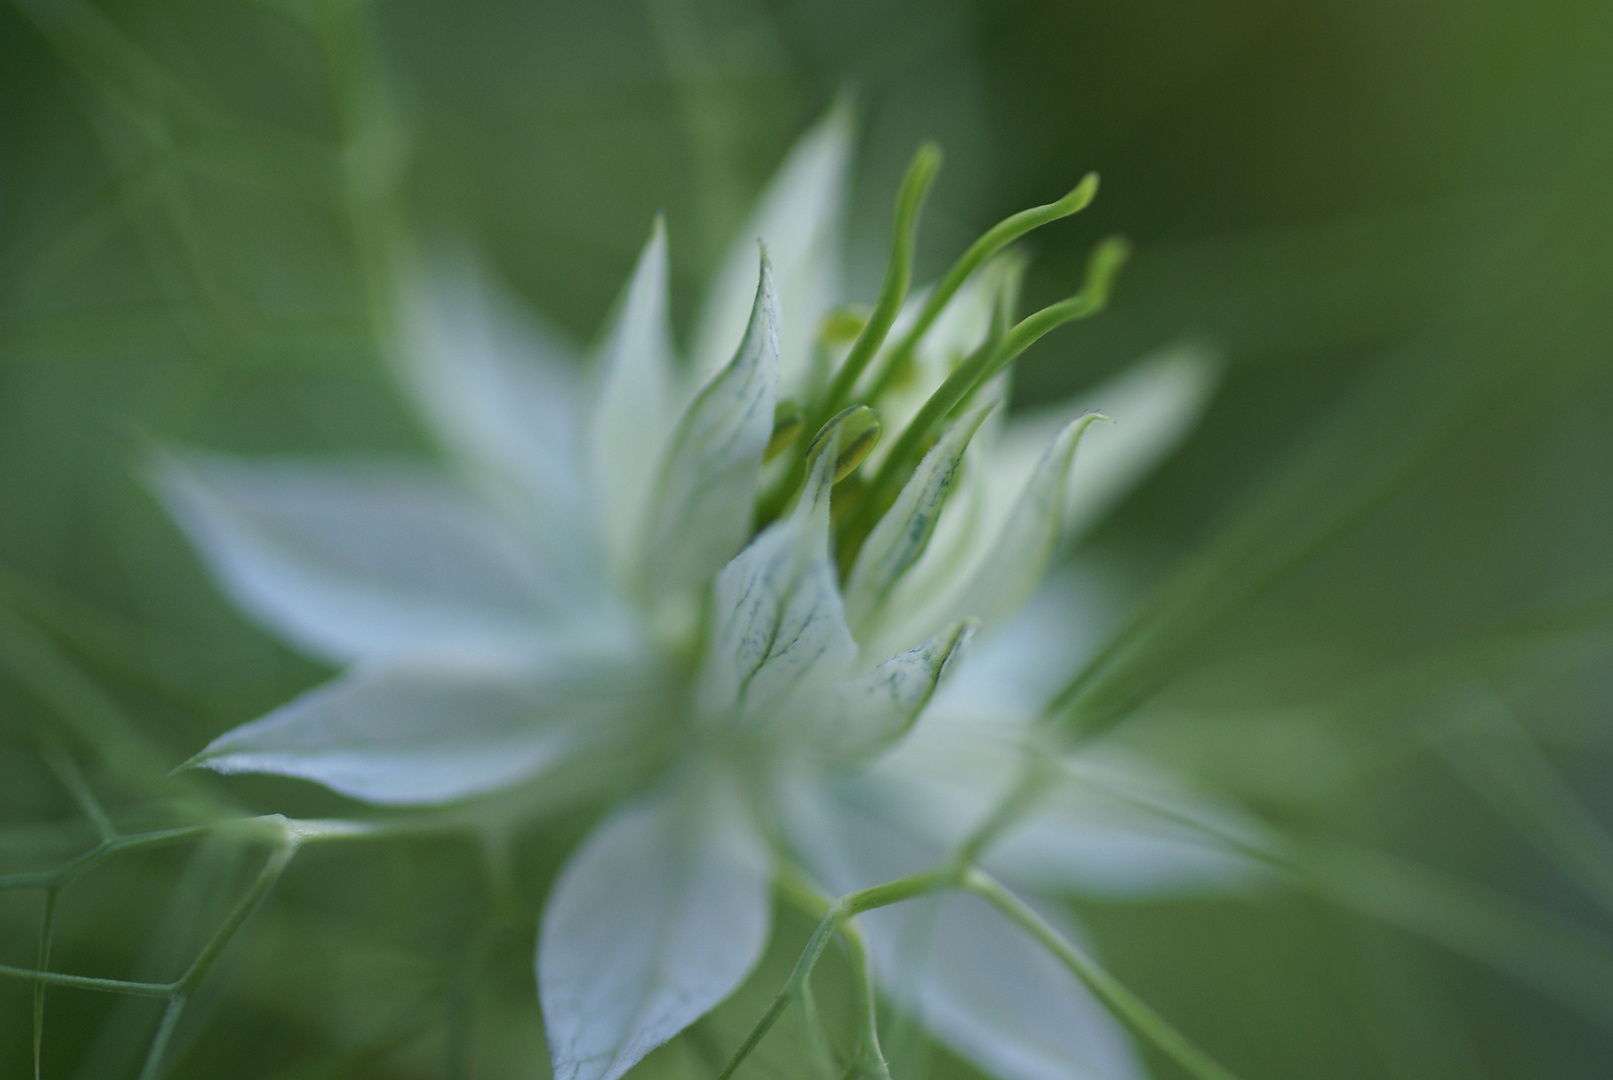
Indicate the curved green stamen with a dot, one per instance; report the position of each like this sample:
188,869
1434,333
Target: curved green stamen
898,278
994,240
984,364
898,275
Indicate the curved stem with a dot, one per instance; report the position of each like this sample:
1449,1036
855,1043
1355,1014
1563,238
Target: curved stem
65,873
1037,771
957,874
89,982
47,926
842,909
1105,987
279,858
869,1051
1557,958
287,837
1553,956
165,1033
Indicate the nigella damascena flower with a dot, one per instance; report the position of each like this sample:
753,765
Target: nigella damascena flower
723,568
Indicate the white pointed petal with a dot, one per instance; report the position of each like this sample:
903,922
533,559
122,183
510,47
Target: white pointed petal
1015,670
1020,554
704,499
499,389
979,983
778,626
433,731
864,715
798,217
635,407
1154,405
917,603
1110,827
903,533
365,561
1118,854
657,918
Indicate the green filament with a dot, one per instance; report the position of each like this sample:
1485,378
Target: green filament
995,239
980,368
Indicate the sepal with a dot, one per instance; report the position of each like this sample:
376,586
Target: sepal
704,498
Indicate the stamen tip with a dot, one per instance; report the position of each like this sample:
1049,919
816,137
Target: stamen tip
1081,196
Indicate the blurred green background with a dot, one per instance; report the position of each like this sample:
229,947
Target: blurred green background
1384,565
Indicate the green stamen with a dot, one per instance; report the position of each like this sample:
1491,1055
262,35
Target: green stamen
859,429
898,275
985,363
876,324
995,239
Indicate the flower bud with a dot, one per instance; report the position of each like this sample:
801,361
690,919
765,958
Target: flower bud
859,430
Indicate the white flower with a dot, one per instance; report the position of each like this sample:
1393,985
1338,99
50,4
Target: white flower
590,581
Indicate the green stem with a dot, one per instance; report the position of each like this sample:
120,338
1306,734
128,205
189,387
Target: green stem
1501,763
64,874
67,771
898,279
287,837
1558,959
279,858
955,874
995,239
869,1052
301,831
47,926
87,982
1104,986
842,909
822,1060
1037,771
165,1033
